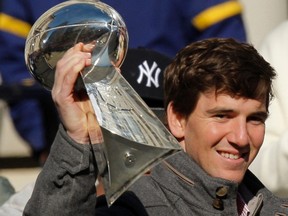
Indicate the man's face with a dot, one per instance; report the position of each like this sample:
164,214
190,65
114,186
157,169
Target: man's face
224,134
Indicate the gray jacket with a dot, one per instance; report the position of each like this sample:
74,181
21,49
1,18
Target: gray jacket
177,186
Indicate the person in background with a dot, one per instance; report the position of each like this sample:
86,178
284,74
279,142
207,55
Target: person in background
271,164
14,206
6,189
167,26
34,117
163,26
216,96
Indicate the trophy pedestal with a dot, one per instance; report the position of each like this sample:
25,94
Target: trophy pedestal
126,162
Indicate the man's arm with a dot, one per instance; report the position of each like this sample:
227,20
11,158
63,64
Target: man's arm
66,185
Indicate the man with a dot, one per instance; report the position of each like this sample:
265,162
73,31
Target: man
217,93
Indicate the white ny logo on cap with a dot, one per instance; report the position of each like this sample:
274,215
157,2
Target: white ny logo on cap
145,70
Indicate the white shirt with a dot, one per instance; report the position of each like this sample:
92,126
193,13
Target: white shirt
16,203
271,164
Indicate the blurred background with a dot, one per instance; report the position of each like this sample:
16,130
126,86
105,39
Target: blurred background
260,17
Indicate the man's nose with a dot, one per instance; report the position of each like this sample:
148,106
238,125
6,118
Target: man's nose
239,133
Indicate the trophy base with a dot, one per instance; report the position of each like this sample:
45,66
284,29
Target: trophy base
129,161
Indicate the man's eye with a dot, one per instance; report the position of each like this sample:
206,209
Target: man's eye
221,116
257,120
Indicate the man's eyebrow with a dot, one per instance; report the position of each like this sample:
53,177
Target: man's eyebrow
220,110
262,114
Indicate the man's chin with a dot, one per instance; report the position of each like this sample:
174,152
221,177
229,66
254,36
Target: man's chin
232,176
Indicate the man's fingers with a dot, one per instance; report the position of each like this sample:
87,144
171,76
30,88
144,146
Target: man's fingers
68,69
88,47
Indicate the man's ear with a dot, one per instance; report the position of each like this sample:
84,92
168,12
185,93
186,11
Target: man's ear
176,122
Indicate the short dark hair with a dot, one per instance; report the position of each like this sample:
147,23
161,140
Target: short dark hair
220,65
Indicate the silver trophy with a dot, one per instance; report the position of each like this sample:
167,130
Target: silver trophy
134,138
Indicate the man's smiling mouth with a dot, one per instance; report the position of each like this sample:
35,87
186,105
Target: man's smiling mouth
230,156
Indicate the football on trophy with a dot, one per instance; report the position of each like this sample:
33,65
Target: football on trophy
67,24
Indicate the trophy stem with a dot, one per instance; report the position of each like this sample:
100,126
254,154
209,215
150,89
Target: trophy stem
134,138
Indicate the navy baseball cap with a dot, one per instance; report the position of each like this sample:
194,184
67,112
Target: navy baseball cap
143,69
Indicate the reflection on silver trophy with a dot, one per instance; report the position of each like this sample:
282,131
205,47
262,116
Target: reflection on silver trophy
134,138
